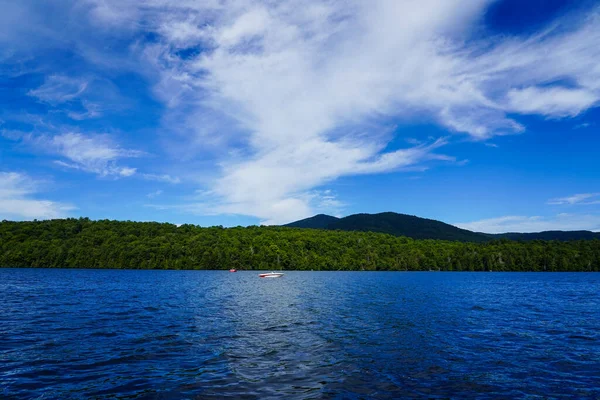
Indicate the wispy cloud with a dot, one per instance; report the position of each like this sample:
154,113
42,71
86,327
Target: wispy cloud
553,102
277,186
205,203
79,98
166,178
95,153
17,199
577,199
90,153
327,202
59,89
154,194
563,222
582,126
91,110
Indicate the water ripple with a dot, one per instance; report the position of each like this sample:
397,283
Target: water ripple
208,334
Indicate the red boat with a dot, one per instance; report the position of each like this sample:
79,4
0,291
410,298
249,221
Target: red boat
233,270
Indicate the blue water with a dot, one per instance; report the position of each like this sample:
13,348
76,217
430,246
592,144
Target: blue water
208,334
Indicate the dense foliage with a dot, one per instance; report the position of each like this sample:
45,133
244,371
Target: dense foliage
81,243
423,228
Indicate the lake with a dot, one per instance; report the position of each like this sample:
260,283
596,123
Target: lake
336,335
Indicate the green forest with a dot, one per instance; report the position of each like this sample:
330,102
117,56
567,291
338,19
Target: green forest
82,243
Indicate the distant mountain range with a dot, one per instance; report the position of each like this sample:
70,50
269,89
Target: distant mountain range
423,228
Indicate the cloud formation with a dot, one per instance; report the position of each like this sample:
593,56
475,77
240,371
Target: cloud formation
309,86
59,89
290,96
95,153
553,101
17,200
79,98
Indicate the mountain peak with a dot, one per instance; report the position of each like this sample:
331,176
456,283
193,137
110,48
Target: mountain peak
422,228
391,223
319,221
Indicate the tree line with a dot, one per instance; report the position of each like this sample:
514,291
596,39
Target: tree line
82,243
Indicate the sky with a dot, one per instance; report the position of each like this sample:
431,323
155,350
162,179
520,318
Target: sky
483,114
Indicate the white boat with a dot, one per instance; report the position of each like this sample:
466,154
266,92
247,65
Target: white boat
271,275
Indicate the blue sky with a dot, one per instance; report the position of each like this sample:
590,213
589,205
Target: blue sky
483,114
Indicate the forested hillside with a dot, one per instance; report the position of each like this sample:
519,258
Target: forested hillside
424,228
393,224
81,243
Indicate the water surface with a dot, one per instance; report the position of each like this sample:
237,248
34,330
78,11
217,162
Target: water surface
212,334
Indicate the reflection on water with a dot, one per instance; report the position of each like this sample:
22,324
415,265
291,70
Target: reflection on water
212,334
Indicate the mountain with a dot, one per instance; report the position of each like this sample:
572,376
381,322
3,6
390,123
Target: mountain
393,224
423,228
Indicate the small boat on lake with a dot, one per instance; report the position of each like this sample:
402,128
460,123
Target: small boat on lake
233,270
271,275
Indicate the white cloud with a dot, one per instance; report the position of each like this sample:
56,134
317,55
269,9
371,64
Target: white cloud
59,89
208,203
90,153
126,171
553,101
579,199
182,32
562,222
95,153
276,186
17,199
80,98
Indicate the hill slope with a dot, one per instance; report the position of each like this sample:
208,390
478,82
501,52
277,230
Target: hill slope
393,224
423,228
